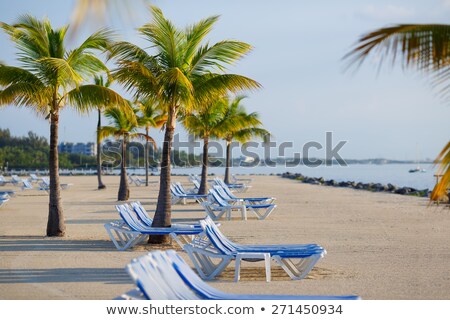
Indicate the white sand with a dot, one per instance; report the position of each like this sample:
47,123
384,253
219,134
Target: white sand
380,246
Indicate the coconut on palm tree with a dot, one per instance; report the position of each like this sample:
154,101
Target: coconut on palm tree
179,70
51,78
151,116
424,47
123,126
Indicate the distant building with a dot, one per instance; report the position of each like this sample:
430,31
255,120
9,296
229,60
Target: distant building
87,149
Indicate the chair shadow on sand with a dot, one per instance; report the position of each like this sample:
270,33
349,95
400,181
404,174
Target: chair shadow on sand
105,275
40,243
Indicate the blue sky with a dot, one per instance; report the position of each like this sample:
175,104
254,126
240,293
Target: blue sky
298,46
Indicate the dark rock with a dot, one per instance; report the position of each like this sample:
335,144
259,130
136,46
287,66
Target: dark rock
402,191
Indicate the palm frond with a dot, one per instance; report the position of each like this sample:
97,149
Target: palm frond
216,57
425,46
91,96
109,131
443,160
25,95
195,35
210,85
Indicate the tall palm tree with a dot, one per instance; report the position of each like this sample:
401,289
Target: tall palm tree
151,116
100,81
51,78
425,47
208,122
180,70
123,127
245,127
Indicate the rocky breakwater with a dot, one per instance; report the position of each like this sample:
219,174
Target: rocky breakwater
374,187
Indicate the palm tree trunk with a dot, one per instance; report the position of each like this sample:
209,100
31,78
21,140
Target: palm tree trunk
99,152
163,213
55,224
204,182
228,163
146,158
124,192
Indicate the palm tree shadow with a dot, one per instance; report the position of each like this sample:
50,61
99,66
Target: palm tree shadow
105,275
39,243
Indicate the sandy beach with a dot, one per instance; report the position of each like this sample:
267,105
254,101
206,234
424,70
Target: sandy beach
380,246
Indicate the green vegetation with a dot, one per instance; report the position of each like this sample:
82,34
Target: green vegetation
32,152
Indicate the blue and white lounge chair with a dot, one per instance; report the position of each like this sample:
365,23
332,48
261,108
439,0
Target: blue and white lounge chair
216,207
210,259
228,196
235,179
130,231
178,196
164,275
7,193
3,181
16,180
143,215
237,187
3,201
34,178
45,184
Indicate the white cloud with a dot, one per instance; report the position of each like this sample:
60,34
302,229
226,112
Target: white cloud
445,3
387,13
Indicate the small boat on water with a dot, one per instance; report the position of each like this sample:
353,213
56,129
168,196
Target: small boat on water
418,169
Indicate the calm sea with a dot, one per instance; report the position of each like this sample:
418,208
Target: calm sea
396,174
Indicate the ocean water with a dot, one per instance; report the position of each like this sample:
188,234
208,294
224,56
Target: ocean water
396,174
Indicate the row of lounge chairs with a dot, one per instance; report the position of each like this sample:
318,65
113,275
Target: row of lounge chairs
43,183
210,250
136,225
165,275
220,201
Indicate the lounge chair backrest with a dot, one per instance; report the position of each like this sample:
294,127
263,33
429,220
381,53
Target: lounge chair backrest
179,188
130,219
222,193
217,198
196,184
195,283
157,278
141,213
27,184
216,242
225,242
174,190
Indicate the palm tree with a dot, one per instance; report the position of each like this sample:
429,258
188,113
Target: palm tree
123,126
51,78
425,47
179,71
98,80
208,122
151,116
245,127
